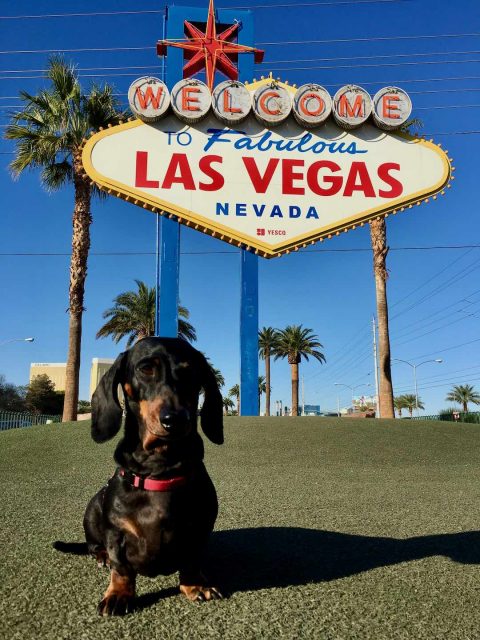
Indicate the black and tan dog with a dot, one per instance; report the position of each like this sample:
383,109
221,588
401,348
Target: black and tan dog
156,513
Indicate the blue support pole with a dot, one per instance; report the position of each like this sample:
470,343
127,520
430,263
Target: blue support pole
168,272
168,233
249,335
249,272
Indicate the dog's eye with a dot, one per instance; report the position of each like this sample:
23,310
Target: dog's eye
147,370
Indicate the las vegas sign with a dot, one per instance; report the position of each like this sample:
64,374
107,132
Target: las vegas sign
266,166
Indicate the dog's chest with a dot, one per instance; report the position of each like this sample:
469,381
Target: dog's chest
162,526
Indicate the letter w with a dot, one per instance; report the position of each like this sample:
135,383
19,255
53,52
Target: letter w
260,183
145,98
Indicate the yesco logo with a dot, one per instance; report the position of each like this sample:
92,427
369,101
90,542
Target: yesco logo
231,102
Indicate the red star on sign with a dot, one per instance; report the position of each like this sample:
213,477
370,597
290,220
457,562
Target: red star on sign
210,51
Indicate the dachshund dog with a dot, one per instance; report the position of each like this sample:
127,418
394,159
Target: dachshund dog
157,511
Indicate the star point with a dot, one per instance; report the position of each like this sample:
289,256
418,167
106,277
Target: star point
209,51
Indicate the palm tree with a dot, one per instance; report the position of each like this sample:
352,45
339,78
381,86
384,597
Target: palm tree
378,237
293,343
49,132
235,393
219,379
227,404
399,404
411,402
463,394
133,315
267,339
262,388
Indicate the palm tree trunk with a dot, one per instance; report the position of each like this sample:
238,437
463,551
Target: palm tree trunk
294,367
267,383
378,234
465,407
78,272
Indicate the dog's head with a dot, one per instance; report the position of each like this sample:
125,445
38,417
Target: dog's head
161,380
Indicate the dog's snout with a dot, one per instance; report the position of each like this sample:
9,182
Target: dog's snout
170,419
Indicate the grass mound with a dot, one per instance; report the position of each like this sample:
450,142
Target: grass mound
327,529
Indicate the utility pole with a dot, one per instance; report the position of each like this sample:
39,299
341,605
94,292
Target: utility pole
375,365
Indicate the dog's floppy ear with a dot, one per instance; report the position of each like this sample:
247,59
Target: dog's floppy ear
106,409
211,415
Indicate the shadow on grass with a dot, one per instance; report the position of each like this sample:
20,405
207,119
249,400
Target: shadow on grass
146,600
273,557
261,558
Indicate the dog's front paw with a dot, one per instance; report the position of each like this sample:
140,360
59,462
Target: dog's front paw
197,593
116,604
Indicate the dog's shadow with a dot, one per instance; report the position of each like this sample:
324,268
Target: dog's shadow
261,558
268,557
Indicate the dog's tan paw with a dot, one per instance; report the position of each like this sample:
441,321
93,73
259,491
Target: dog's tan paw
197,593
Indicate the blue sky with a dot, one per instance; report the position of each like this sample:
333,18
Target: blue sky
431,48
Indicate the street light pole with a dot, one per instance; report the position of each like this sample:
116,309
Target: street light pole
414,367
416,388
16,340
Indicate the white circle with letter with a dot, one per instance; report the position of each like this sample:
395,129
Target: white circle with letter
391,108
272,104
148,98
352,106
191,100
312,105
231,101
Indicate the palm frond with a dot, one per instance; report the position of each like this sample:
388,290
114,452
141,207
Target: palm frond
55,175
133,315
64,78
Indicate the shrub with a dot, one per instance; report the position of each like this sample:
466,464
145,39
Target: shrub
447,414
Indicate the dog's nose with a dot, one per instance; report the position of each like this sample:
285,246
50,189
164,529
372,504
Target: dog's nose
171,419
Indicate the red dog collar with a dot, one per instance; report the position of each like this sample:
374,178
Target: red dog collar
152,485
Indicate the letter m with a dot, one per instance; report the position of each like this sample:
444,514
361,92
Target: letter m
145,98
345,109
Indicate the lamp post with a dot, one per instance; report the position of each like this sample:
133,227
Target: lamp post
414,367
341,384
16,340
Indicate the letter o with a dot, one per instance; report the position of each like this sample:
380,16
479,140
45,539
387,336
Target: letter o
185,135
312,105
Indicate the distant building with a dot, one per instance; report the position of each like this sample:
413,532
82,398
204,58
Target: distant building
312,410
56,371
100,366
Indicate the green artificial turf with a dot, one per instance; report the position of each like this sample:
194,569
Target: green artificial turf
327,529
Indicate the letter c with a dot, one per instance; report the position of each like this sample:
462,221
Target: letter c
263,103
